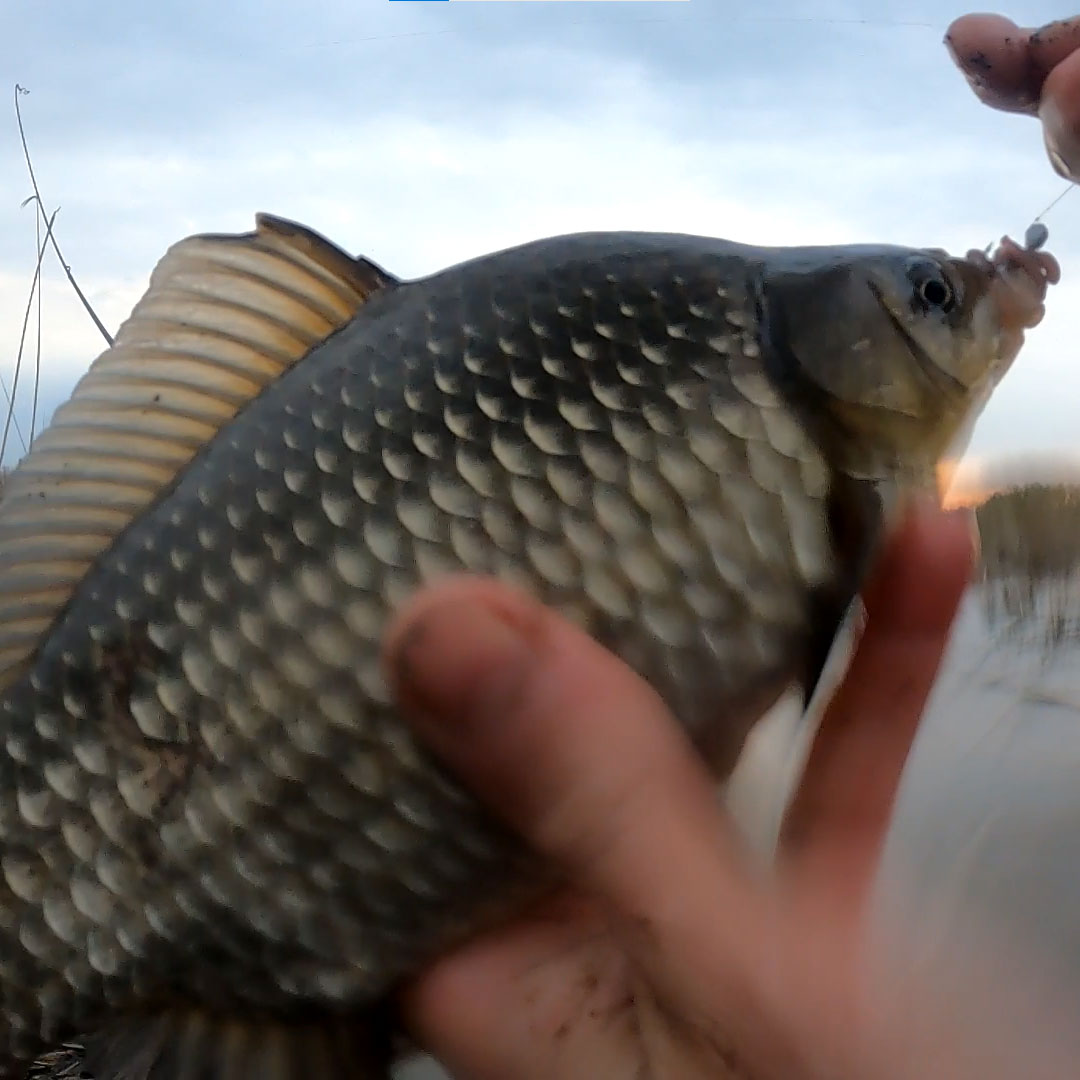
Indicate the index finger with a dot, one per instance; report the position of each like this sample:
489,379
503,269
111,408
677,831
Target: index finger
992,52
1036,72
574,751
841,811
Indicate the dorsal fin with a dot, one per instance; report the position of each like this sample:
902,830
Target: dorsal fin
223,316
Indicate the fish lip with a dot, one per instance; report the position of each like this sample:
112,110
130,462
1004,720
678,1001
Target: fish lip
940,379
1019,279
1017,282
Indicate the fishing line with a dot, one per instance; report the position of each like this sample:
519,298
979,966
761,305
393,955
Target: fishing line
617,23
1053,204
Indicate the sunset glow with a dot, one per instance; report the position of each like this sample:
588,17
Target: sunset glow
971,481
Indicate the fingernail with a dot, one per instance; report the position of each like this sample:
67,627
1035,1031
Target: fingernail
1057,133
1060,165
1050,115
460,663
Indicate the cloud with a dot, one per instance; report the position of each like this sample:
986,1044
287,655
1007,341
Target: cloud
421,137
423,134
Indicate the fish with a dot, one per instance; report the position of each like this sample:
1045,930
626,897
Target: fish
221,848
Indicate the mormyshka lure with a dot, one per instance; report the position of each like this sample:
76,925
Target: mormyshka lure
1036,235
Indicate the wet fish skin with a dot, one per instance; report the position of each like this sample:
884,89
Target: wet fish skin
208,804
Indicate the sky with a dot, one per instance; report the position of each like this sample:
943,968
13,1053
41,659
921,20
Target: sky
423,134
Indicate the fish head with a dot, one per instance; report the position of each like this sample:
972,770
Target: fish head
899,349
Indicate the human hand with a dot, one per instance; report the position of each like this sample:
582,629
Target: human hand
1027,71
670,954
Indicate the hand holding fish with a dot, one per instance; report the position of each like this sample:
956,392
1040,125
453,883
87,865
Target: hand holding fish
1026,71
666,956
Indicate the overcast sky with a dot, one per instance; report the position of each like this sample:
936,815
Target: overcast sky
422,134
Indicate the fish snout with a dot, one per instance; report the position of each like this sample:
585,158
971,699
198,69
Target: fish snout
1020,277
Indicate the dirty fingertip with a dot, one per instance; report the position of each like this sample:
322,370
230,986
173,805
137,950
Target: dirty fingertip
457,649
1054,42
992,53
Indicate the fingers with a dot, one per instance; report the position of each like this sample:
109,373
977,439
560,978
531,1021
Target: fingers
993,54
573,750
568,746
1035,72
841,812
1060,113
559,737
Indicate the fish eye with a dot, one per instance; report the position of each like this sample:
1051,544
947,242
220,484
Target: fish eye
932,287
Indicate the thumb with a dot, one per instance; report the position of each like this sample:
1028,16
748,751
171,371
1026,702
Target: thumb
561,739
569,747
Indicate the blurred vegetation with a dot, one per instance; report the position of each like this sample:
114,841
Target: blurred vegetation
1030,573
1032,530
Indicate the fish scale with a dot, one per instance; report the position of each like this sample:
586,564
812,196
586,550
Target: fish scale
212,817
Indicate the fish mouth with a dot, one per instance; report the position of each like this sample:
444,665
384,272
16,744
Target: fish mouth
1019,278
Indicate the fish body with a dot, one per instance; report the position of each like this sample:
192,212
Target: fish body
219,843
